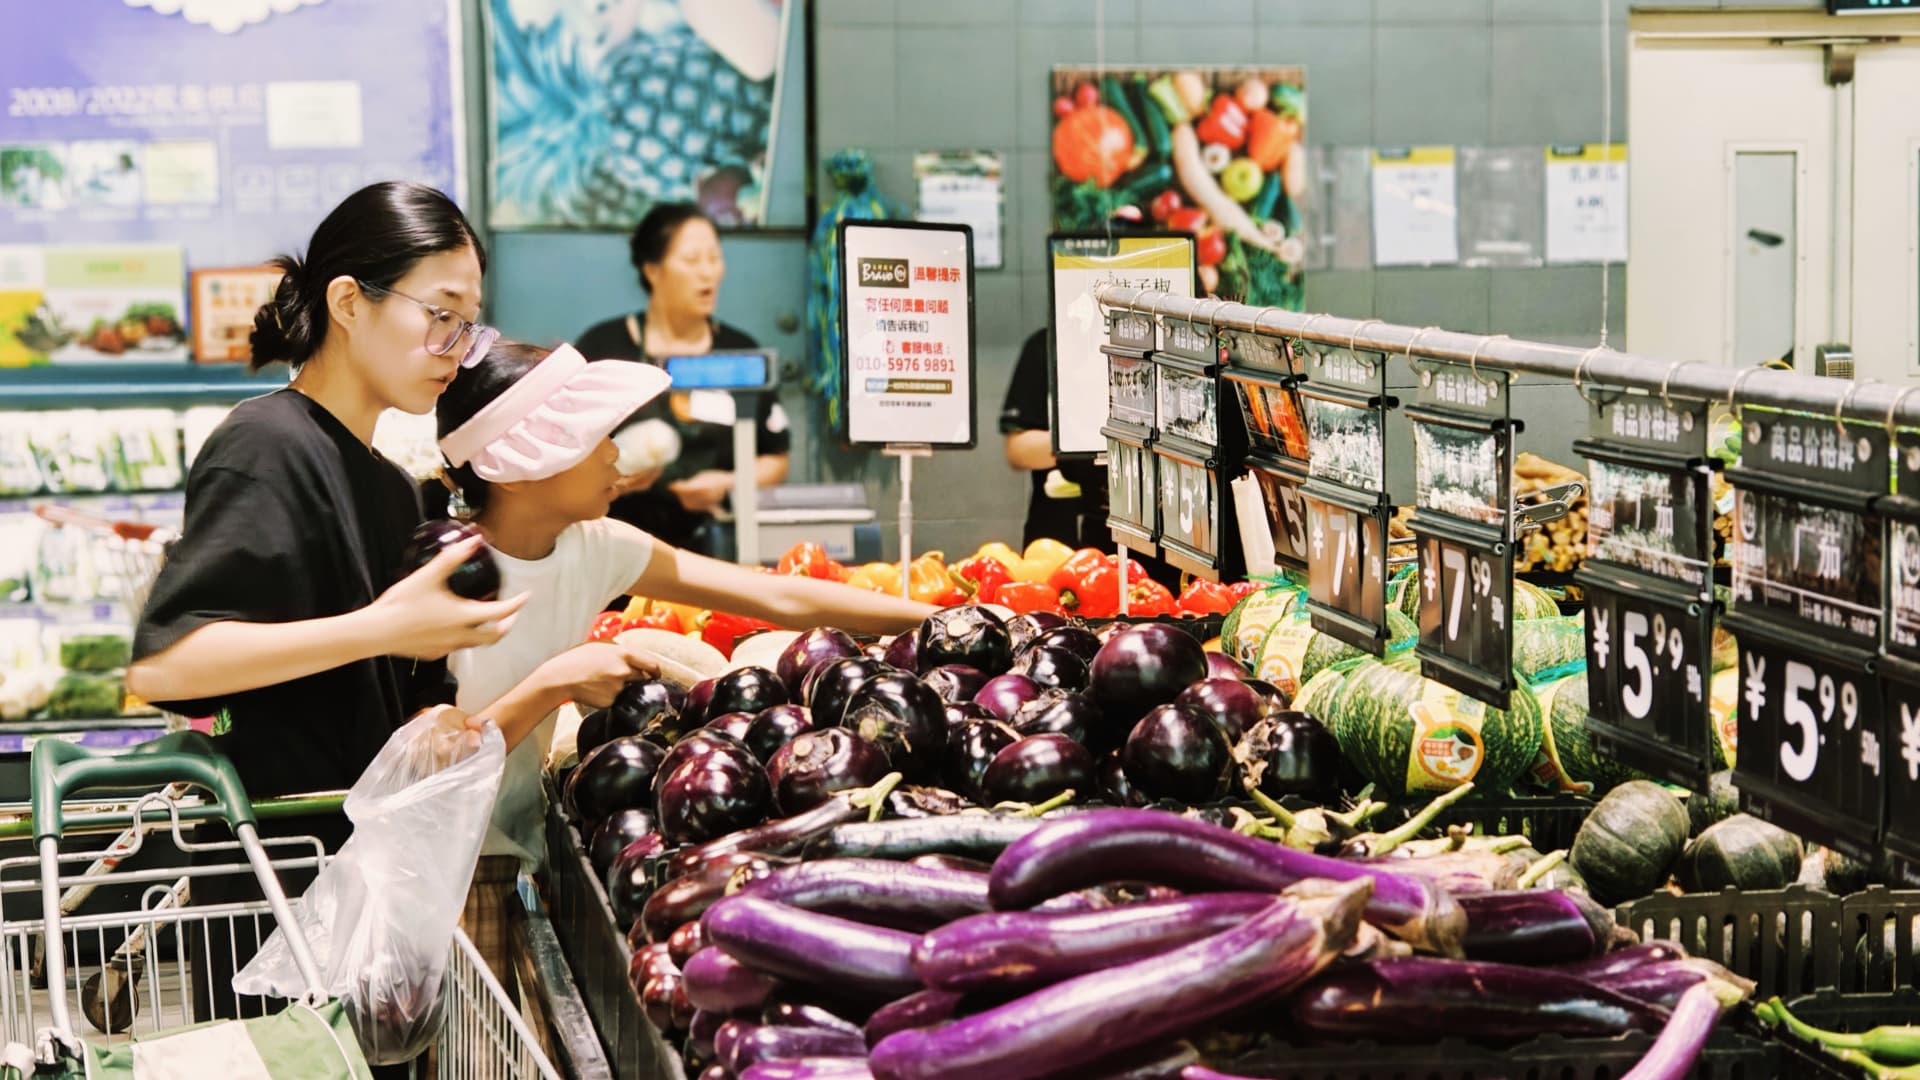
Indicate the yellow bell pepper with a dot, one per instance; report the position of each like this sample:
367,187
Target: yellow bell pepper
878,577
1042,558
929,582
689,615
999,553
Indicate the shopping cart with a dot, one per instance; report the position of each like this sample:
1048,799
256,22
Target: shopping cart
483,1038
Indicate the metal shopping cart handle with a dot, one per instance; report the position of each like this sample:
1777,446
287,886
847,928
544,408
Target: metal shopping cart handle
61,768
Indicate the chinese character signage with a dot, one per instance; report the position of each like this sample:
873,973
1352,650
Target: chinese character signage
1137,138
907,321
1080,265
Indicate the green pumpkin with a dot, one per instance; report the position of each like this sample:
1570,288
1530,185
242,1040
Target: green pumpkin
1627,846
1743,852
1719,802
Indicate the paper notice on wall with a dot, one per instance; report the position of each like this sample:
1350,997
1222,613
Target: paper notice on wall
964,189
314,115
1587,203
183,172
1416,214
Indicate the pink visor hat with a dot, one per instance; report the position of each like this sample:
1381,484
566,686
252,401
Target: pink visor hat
551,419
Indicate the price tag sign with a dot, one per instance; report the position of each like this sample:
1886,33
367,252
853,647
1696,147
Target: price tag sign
1133,509
1190,525
1281,484
1131,331
1190,340
1189,406
1130,389
1900,689
1649,655
1902,592
1807,563
1347,567
1466,629
1271,410
906,321
1810,737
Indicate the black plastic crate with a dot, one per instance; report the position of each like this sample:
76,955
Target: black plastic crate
1786,940
1730,1055
1836,1011
1878,940
597,951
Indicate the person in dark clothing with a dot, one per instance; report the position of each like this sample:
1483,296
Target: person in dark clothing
285,610
676,251
1075,518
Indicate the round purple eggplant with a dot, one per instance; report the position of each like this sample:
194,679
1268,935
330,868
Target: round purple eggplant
1222,666
1081,643
971,747
1038,768
1004,694
967,634
810,650
955,683
1022,629
713,795
817,764
613,834
1177,752
1050,667
904,718
775,728
697,744
647,707
617,776
735,724
1276,698
1060,712
1295,754
748,690
1232,705
903,652
1115,788
834,684
960,714
699,696
478,575
1145,667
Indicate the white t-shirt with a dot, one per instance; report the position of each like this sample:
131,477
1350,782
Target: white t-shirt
592,562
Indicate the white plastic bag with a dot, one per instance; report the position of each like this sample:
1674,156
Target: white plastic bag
380,917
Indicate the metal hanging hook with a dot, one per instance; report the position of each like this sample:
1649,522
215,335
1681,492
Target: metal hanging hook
1212,329
1415,340
1473,361
1580,368
1840,408
1893,410
1733,392
1354,338
1666,381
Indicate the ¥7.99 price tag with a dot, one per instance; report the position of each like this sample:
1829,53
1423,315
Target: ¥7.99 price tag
1810,740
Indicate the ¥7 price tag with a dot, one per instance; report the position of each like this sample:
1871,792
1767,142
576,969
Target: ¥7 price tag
1648,654
1811,728
1347,571
1466,628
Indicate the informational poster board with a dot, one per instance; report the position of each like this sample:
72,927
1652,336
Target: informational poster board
226,129
965,189
1081,263
1416,207
1587,204
906,317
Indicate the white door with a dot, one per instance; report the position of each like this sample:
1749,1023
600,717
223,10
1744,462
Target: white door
1769,211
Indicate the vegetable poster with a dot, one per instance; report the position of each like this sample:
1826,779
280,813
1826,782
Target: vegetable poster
601,110
1216,152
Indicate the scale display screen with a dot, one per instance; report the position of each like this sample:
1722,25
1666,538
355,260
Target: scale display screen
721,371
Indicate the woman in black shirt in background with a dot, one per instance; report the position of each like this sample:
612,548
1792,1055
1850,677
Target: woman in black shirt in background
676,250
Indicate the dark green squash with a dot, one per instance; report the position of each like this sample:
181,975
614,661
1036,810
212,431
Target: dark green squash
1743,852
1719,802
1629,843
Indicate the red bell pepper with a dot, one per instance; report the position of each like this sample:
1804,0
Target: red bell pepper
1211,249
722,631
660,618
607,627
1204,597
809,560
1147,599
1225,123
1024,597
981,578
1244,589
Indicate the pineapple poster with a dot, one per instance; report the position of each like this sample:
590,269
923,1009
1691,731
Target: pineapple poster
600,110
1217,152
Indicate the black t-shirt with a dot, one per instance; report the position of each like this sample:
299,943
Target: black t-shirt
290,517
1082,521
704,443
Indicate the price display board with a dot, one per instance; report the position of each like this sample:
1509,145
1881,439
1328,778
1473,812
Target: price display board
1649,585
1133,501
1282,483
1345,405
1900,663
907,328
1198,446
1463,527
1807,588
1191,525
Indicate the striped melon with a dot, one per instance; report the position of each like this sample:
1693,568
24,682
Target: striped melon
1245,629
1408,734
1567,760
1543,645
1325,650
1530,601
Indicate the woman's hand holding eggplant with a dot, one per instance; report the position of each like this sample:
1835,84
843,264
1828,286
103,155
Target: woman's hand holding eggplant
420,618
594,674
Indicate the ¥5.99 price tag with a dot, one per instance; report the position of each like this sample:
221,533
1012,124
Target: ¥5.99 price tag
1901,687
1648,651
1810,739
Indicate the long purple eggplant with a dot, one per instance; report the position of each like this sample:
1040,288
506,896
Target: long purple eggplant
1134,1005
752,1044
924,1009
718,983
1531,926
1673,1054
1456,871
951,862
788,1008
978,836
1418,998
840,1068
1011,949
1664,983
684,899
1105,845
1162,1063
902,896
806,946
1626,959
781,836
1113,894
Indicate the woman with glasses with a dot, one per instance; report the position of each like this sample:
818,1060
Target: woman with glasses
676,250
285,611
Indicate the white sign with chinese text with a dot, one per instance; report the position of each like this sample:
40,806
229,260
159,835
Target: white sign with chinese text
964,189
907,322
1079,390
1416,207
1587,204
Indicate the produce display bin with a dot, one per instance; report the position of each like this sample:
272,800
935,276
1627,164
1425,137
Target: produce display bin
1549,821
1835,1011
1731,1054
597,951
1786,940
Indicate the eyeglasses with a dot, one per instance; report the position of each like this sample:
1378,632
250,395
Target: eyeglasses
445,328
